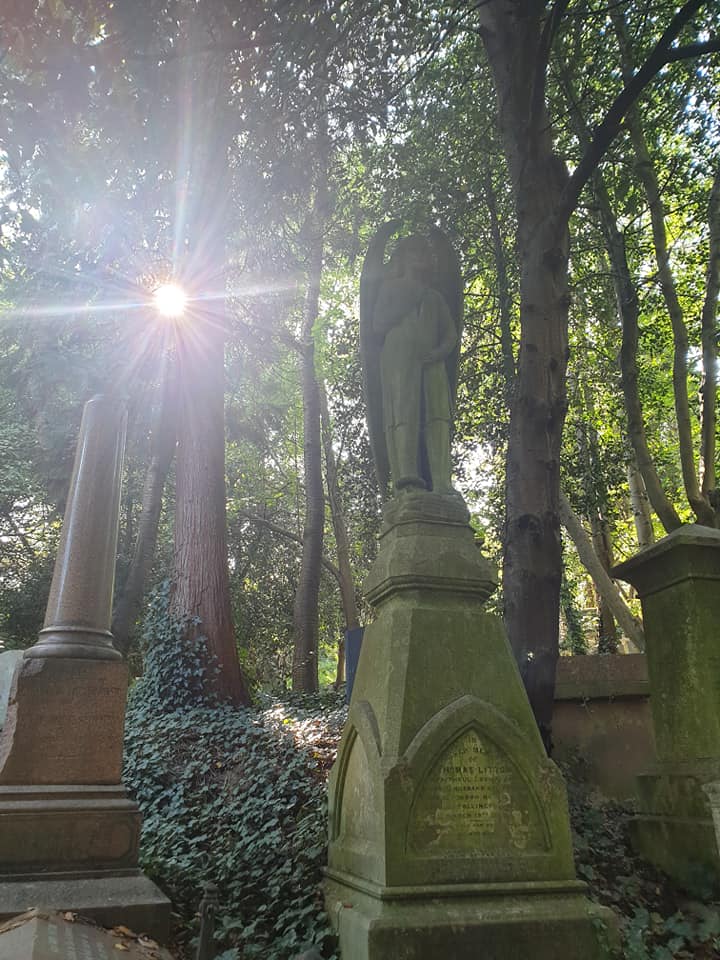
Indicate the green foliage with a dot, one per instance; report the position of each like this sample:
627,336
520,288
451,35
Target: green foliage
233,797
574,641
178,668
657,920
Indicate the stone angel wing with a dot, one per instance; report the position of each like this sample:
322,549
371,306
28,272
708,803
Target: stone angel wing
448,281
371,277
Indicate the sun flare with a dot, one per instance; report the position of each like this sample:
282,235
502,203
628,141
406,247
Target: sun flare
170,300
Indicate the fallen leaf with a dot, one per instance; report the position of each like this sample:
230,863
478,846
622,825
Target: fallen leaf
121,931
72,917
121,946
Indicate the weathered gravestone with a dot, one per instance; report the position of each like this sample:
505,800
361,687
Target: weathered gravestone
43,935
449,831
68,832
678,581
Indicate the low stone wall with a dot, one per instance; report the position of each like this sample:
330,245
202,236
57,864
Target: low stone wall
602,717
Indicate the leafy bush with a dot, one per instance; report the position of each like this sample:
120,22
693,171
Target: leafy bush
230,796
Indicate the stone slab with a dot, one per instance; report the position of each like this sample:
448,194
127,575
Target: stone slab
612,740
8,662
602,718
611,676
64,723
521,921
132,901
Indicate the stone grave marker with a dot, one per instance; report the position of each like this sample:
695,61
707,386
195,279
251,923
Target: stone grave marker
69,834
44,935
449,834
677,826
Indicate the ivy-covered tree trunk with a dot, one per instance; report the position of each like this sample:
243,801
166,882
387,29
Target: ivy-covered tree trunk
202,583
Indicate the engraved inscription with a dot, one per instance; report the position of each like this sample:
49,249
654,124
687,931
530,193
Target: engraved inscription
475,802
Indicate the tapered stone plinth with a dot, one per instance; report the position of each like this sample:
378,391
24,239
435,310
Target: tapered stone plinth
678,581
449,830
69,834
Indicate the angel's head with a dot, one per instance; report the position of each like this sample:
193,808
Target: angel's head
412,255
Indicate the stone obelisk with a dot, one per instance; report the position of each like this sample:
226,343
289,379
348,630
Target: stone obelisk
449,829
68,832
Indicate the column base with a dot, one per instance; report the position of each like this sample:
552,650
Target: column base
75,847
70,829
493,921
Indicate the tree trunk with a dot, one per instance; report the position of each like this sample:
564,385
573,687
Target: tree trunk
602,546
708,388
305,609
628,306
629,309
162,450
347,584
532,562
640,506
629,624
202,584
504,295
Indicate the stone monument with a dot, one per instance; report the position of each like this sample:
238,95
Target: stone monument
678,822
449,830
68,832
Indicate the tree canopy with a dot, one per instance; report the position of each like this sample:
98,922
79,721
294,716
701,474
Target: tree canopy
570,150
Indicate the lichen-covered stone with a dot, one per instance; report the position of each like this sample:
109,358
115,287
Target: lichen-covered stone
448,823
678,580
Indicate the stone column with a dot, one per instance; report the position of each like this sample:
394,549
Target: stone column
678,581
79,610
69,834
449,830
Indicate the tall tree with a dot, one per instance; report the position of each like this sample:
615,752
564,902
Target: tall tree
305,613
518,38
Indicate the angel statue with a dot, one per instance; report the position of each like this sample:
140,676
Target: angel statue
410,327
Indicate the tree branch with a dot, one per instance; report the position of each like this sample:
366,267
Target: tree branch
629,624
288,535
691,50
608,129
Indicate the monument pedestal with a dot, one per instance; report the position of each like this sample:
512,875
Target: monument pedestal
448,824
677,580
69,834
674,826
